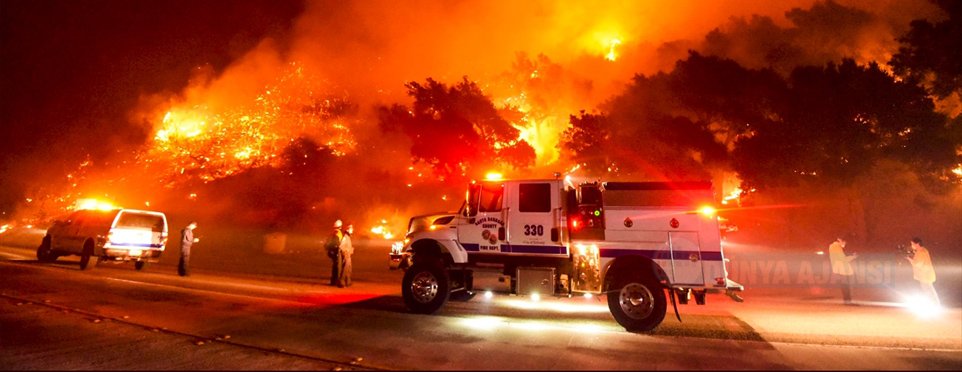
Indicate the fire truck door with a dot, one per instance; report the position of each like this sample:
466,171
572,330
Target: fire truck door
686,258
478,226
533,210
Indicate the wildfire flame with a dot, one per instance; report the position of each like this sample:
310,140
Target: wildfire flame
203,142
382,231
612,54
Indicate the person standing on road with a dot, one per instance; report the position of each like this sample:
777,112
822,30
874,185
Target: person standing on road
347,250
333,247
923,271
187,240
842,268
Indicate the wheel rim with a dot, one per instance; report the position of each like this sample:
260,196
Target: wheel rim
424,287
636,301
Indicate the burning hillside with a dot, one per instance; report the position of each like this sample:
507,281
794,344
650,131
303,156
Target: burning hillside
370,112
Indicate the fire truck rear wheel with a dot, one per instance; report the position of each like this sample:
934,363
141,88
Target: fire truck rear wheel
425,287
637,303
139,265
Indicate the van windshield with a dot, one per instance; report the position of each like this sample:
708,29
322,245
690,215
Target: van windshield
140,220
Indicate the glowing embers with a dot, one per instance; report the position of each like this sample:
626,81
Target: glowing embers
207,140
185,125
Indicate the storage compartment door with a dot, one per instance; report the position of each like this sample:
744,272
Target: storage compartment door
686,259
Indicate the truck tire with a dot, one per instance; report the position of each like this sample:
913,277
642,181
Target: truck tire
425,287
638,303
87,259
139,265
45,253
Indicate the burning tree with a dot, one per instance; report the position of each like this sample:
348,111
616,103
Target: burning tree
457,130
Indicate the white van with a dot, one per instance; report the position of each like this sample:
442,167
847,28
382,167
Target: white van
113,235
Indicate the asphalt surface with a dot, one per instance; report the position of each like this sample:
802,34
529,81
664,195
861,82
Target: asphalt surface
54,316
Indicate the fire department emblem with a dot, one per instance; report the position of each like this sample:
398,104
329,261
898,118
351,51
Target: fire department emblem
674,223
487,235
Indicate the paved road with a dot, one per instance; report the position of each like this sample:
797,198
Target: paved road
53,316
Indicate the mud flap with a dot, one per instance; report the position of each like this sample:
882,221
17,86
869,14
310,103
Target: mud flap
671,294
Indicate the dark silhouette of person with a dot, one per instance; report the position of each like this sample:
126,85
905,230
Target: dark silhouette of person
187,240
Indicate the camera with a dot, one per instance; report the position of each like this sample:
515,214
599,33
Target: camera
905,251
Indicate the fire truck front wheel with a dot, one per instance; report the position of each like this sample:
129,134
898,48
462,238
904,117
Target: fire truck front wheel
637,303
426,287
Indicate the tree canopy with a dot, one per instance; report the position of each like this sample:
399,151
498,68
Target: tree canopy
931,53
457,129
827,124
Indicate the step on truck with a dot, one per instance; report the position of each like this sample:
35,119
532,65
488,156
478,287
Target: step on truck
631,241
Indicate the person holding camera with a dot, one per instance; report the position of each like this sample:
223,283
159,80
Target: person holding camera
842,268
922,270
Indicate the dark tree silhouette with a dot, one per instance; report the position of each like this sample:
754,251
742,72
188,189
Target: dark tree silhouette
839,120
932,53
826,124
456,129
586,140
678,125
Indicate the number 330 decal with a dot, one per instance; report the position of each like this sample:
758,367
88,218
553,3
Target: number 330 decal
534,230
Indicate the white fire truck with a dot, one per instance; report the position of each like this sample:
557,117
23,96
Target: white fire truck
629,240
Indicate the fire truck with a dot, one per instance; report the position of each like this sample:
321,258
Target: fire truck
631,241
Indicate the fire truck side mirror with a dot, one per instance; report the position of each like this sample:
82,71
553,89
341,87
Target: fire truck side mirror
501,234
554,234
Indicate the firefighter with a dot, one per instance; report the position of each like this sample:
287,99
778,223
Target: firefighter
346,250
842,268
922,270
332,245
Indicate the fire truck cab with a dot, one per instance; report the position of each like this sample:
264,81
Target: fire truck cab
629,240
